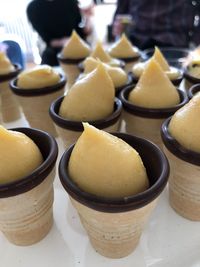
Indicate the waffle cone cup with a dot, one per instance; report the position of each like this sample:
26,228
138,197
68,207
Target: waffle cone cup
36,111
184,187
184,183
146,122
69,131
9,107
35,104
114,235
26,214
27,218
71,71
144,127
114,225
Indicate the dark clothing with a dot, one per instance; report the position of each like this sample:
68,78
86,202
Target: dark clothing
54,19
163,23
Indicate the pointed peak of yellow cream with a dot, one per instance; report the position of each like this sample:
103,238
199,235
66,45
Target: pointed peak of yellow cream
158,56
100,53
90,98
75,47
123,48
154,89
105,165
75,36
184,125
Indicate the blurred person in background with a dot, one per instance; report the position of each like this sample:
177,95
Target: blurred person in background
54,21
165,23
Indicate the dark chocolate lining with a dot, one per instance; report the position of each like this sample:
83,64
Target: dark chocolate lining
69,60
176,148
77,125
12,74
49,150
157,167
150,112
37,91
193,90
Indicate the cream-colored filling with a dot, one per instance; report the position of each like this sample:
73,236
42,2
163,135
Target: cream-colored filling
75,47
159,57
90,98
105,165
185,125
101,54
38,77
118,76
19,155
5,65
123,48
173,73
194,68
154,89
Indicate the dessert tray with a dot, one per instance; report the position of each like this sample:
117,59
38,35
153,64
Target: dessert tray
168,239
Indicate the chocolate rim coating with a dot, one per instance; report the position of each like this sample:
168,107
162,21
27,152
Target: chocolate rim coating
69,60
176,81
150,112
122,65
189,77
193,90
129,59
176,148
37,91
12,74
77,125
49,150
157,167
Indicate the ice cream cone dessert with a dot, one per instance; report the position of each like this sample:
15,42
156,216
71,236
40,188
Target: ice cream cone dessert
92,99
26,184
74,51
181,135
124,50
109,187
118,76
147,104
100,53
9,108
35,89
174,74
